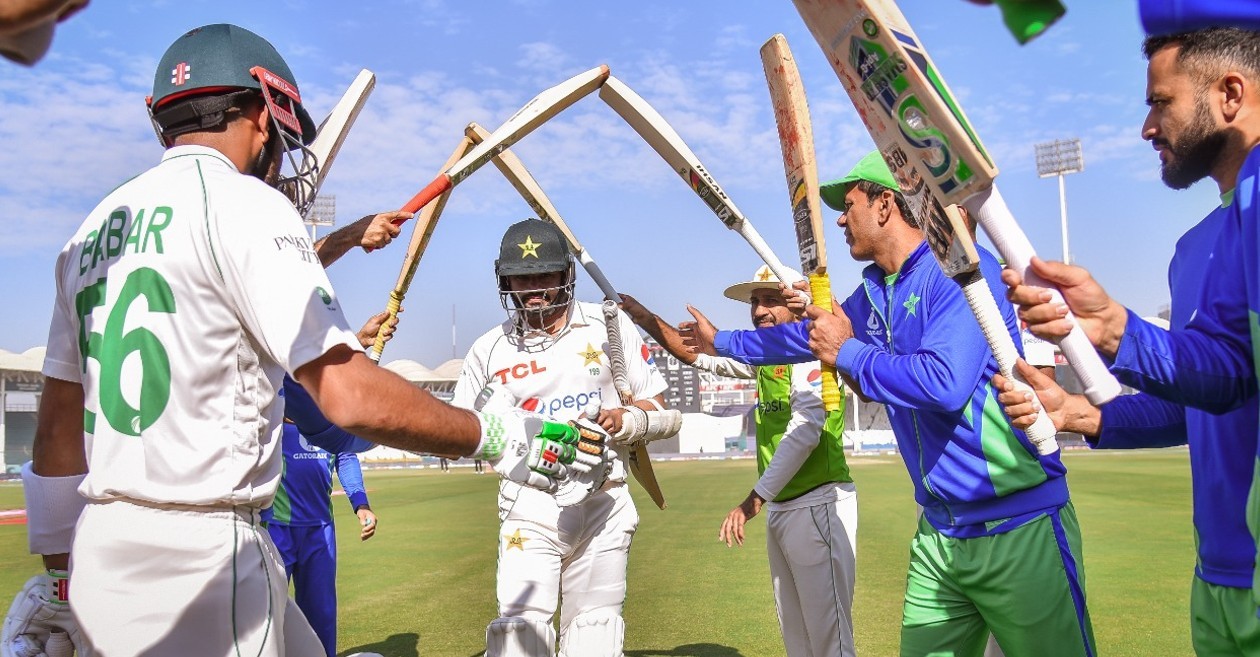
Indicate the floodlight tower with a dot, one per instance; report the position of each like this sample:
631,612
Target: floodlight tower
323,212
1059,158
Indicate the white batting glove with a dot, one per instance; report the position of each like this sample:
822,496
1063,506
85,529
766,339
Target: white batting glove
590,467
526,448
39,622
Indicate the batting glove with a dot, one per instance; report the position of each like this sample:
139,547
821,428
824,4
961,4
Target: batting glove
590,467
39,622
527,449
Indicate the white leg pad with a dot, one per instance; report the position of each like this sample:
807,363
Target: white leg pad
594,634
518,637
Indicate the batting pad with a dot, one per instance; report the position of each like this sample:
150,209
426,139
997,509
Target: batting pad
594,634
517,637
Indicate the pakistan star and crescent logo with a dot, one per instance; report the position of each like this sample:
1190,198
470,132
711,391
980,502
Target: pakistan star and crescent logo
515,540
529,247
912,303
764,274
591,355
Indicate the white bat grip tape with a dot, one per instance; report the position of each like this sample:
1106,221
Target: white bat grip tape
995,218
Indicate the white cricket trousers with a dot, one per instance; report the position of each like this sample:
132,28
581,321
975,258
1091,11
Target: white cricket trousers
812,544
580,550
183,581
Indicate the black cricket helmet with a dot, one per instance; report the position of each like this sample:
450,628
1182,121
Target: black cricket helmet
533,247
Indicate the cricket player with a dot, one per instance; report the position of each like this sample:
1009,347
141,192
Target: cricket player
550,357
998,547
182,301
1203,97
804,482
300,521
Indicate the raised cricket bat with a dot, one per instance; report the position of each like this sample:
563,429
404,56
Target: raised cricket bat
662,137
929,144
304,187
536,112
796,136
525,184
420,235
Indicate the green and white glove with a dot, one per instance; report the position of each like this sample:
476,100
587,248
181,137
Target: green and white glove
528,449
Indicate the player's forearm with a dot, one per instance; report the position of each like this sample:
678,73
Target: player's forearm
382,407
1080,416
776,345
1139,422
1208,366
58,448
331,247
665,335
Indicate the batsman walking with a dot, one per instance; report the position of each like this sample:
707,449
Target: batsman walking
551,357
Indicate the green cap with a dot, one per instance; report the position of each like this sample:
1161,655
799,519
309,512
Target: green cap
532,247
871,168
213,59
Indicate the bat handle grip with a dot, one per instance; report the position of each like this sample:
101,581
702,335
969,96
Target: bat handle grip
430,192
1042,434
989,209
833,399
395,303
597,275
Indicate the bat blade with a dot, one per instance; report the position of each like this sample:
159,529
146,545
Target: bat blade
663,139
796,136
421,233
537,111
304,187
928,143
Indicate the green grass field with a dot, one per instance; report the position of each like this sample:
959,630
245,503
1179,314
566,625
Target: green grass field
425,584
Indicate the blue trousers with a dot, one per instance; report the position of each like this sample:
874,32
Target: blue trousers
310,562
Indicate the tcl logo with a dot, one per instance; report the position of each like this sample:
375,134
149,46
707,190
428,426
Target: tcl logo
520,371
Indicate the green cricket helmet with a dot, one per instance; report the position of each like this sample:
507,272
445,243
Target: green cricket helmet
209,66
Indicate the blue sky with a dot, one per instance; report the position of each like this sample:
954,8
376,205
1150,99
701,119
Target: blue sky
75,126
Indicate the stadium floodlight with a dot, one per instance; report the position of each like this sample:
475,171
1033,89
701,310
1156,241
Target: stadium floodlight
1059,158
323,212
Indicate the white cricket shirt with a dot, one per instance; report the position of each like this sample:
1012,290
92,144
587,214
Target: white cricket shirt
557,376
181,302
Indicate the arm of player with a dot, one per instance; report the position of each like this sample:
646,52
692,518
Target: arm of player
1208,366
801,436
350,474
665,335
775,345
941,375
722,366
1126,422
371,232
318,429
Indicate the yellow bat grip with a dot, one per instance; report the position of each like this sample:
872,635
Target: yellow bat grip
820,290
395,302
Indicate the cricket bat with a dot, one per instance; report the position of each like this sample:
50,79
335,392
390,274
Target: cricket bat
525,184
930,146
796,136
536,112
318,158
662,137
426,221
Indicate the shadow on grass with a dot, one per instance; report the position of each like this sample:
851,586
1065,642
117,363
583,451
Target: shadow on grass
689,650
397,645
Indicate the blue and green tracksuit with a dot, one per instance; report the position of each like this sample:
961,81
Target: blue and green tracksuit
1169,16
919,351
300,518
1221,449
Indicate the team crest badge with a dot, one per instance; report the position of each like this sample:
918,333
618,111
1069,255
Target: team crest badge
181,73
529,247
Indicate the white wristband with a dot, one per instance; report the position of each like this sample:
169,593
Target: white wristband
53,505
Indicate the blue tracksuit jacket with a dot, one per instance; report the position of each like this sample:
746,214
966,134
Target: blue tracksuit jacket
919,351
